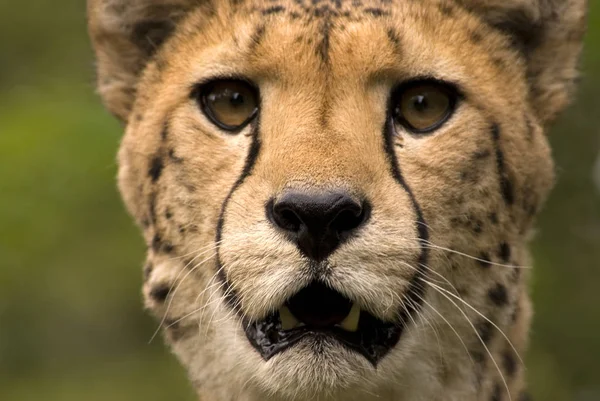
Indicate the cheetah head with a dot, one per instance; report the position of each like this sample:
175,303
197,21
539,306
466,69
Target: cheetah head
337,195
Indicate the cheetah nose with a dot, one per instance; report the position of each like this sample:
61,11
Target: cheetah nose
319,222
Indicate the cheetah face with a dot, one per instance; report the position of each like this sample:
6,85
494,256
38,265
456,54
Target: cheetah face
325,186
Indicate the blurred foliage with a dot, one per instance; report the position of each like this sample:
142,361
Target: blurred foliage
71,322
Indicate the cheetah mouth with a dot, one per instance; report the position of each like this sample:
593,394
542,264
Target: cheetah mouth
318,311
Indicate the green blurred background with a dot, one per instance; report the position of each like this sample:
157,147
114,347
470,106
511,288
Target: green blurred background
71,322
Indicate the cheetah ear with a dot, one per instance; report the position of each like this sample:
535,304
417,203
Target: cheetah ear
550,35
125,35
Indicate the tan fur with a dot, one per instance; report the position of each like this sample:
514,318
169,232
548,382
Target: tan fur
325,70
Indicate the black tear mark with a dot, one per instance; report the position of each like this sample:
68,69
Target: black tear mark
484,260
150,35
504,252
160,292
156,168
273,10
509,362
231,296
484,330
496,393
416,289
505,184
498,295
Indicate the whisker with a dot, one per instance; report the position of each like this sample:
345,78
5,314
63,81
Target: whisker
476,333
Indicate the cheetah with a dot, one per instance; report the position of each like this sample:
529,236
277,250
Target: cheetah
337,196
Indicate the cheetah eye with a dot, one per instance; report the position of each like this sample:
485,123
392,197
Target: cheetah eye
229,104
422,107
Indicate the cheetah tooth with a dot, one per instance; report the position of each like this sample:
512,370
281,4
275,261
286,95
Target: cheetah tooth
288,321
350,323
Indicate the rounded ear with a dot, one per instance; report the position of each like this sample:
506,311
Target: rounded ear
125,34
554,60
549,33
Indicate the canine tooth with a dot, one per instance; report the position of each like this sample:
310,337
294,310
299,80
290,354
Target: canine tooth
288,321
350,323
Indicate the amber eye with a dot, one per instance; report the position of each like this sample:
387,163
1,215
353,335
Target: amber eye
229,104
424,107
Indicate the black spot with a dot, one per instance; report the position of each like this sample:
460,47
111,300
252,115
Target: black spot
505,184
509,362
273,10
484,330
167,247
152,208
174,158
446,9
168,214
156,167
484,260
477,226
257,38
494,217
394,38
164,134
496,393
148,270
476,37
156,243
499,62
481,154
149,35
181,229
498,295
160,292
504,252
376,12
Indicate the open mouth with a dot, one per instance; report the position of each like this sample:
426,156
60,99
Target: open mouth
318,310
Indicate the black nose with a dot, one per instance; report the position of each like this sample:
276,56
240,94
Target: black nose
318,223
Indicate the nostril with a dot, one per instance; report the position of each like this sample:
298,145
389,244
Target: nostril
283,217
288,220
350,218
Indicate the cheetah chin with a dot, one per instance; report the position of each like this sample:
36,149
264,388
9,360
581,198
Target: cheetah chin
337,195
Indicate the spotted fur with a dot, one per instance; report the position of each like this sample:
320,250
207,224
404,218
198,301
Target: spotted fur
452,210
